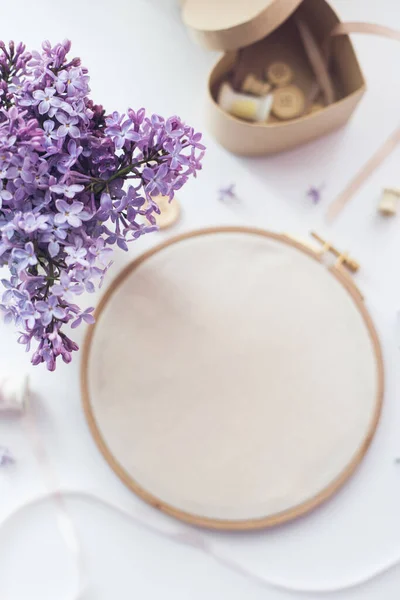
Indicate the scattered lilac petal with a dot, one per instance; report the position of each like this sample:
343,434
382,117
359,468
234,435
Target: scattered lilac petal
228,194
6,458
314,193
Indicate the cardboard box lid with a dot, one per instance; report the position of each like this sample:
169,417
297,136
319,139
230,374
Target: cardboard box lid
231,24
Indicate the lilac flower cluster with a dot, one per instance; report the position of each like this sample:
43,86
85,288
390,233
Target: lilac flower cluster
73,183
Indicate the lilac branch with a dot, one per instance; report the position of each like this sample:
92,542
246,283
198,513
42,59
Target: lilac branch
64,204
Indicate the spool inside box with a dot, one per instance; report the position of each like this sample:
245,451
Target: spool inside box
285,45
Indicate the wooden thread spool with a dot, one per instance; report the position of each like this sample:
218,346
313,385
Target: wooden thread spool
388,204
279,74
253,85
289,102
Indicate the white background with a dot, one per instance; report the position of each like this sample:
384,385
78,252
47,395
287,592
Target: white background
139,54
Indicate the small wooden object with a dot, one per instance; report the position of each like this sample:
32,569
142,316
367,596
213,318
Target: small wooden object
289,103
253,85
388,204
279,74
169,211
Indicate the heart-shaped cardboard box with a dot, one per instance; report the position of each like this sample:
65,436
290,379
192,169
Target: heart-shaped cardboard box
255,33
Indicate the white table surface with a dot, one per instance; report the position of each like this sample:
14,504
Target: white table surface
139,54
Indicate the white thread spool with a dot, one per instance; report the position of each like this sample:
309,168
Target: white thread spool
244,106
13,394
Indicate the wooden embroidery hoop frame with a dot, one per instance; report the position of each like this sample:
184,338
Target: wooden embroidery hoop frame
249,524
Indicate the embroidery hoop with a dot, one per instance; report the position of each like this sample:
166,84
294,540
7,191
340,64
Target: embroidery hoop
191,517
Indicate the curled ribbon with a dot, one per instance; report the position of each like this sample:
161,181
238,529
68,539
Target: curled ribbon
14,399
188,538
65,522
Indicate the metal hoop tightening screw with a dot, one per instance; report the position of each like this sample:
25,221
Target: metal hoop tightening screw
342,257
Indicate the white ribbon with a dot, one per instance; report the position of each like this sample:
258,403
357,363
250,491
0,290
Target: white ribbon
17,394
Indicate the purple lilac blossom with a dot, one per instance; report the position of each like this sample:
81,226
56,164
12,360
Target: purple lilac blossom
228,193
315,193
6,458
74,182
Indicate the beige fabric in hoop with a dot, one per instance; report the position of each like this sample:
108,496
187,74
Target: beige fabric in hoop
232,380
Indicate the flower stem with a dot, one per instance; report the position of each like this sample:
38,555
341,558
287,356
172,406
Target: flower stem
124,172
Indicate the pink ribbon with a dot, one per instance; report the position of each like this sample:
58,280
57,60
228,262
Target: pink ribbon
389,145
